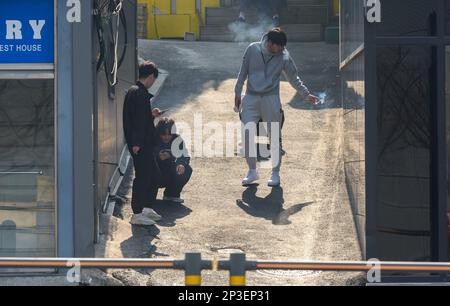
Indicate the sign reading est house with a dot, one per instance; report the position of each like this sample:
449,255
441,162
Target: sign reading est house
26,31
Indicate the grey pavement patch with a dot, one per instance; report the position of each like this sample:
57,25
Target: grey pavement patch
131,277
96,277
227,249
310,219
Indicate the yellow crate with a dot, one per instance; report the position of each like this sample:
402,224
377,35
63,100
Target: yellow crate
162,23
336,7
173,26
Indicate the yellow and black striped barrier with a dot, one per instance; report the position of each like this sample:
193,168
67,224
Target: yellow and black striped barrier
238,267
193,269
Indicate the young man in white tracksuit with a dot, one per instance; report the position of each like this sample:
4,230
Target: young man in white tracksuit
263,64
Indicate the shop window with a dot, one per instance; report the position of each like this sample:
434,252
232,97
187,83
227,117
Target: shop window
27,168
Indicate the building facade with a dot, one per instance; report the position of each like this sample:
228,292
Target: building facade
61,139
396,80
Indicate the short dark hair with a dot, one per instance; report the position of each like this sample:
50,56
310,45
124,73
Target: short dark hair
277,37
165,124
146,69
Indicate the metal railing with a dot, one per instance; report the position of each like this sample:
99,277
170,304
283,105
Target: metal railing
237,265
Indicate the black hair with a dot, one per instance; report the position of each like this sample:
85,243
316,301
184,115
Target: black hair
146,69
277,37
164,125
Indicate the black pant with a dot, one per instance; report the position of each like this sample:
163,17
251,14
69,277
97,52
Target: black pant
145,184
173,182
283,120
269,7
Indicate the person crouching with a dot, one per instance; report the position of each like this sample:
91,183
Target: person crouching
173,161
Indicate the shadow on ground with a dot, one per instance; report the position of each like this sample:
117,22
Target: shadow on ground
269,207
170,212
139,245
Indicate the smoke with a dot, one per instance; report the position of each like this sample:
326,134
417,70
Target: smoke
244,32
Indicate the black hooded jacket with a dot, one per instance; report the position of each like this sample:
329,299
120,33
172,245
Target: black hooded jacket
138,121
179,157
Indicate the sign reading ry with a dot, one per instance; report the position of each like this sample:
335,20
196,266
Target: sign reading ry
26,31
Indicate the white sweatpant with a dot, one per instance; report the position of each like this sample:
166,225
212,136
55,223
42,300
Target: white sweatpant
253,109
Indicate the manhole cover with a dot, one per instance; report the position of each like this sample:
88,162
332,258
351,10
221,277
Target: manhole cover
226,249
288,273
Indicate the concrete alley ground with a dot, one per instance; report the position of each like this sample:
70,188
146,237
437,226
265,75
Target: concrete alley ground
308,218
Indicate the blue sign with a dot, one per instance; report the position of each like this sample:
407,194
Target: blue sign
26,31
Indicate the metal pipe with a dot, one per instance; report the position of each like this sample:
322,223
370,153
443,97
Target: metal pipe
353,266
30,173
194,263
173,7
86,263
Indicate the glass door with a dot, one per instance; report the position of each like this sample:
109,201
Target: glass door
447,97
27,168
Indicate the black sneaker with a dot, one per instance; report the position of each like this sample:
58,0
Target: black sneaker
173,199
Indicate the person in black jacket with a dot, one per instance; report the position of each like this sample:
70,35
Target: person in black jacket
173,161
140,136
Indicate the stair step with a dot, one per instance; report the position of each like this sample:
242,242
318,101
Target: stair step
289,2
232,11
306,2
295,32
312,14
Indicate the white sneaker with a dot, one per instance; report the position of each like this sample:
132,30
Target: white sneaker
274,180
173,199
251,177
151,214
140,219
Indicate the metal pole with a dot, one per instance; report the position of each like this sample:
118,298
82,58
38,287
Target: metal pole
354,266
173,7
193,269
17,173
193,265
88,263
8,237
237,269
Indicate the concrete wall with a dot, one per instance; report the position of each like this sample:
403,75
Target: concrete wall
109,137
90,136
83,94
353,102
